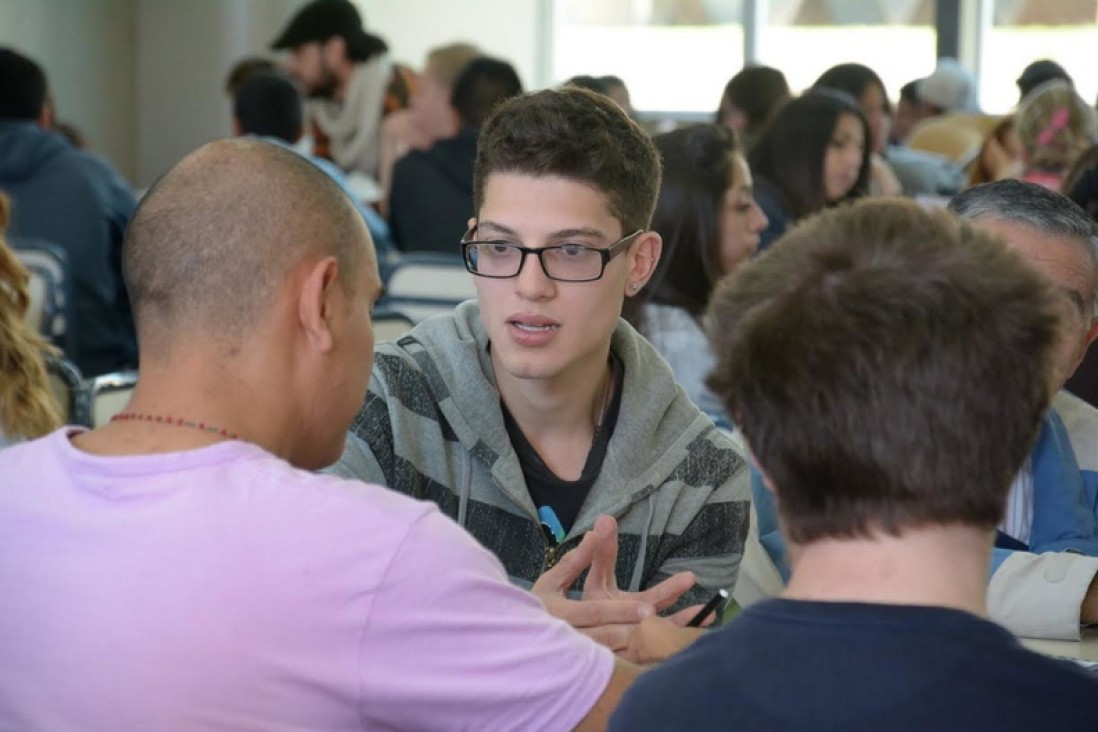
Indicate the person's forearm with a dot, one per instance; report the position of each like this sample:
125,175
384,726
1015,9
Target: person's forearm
1088,613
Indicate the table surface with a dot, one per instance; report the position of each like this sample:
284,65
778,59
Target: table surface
1086,648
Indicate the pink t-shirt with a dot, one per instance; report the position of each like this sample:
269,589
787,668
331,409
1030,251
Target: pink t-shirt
222,588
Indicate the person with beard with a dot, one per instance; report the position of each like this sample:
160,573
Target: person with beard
350,77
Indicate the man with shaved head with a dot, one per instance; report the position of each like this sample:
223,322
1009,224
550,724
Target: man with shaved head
178,569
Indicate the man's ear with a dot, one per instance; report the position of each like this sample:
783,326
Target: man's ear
45,117
317,295
1092,333
644,255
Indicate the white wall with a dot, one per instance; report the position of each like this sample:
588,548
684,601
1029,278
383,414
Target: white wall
514,30
86,48
143,78
184,51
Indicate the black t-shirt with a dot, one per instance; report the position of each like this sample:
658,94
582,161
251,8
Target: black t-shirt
559,501
797,665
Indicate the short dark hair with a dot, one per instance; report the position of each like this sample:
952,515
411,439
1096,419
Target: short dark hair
909,92
269,104
245,69
576,134
866,358
853,79
1038,73
211,241
481,85
791,151
698,169
758,92
596,84
23,87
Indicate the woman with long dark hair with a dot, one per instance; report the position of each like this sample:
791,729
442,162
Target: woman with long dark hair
813,155
710,224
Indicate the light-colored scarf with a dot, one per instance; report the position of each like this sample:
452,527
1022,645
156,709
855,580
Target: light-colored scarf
352,125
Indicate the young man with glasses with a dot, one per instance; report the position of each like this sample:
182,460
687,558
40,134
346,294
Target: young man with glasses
534,413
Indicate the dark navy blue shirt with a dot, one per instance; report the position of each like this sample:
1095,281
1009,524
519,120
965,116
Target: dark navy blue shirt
795,665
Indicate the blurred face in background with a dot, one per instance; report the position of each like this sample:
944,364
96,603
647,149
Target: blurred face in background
843,159
874,106
907,114
308,64
431,104
741,220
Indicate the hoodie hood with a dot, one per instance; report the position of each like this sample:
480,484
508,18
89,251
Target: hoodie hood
655,429
25,148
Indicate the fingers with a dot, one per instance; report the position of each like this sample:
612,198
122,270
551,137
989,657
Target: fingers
571,566
593,613
601,582
657,638
614,637
666,593
684,616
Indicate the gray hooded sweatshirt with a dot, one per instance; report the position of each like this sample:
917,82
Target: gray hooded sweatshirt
431,427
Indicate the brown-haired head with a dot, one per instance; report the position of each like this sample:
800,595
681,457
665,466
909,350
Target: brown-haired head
866,357
576,134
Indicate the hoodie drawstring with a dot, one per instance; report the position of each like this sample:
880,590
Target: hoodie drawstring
638,568
466,488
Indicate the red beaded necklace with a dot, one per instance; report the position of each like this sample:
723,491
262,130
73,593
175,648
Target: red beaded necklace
175,422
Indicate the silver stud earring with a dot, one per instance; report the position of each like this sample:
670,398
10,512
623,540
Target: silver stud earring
633,287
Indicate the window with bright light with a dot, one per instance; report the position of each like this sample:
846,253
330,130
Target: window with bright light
1023,31
674,55
895,38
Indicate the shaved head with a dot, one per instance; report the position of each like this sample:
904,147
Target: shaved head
215,238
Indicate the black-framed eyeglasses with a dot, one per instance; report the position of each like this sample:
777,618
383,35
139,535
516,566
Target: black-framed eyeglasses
568,262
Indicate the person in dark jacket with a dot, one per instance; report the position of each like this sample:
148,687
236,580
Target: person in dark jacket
76,201
432,196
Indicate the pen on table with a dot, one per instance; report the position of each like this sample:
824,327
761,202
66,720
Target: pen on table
714,605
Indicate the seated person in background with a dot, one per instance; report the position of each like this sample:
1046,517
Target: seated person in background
895,169
1000,155
908,112
865,359
535,409
813,155
27,407
1054,126
429,116
1054,498
950,88
608,86
432,196
1081,186
182,568
350,78
267,105
245,69
867,89
1038,73
74,200
710,225
750,100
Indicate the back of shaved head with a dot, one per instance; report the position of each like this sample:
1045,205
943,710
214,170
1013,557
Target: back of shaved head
213,240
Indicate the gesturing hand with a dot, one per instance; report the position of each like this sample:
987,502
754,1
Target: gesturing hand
605,613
